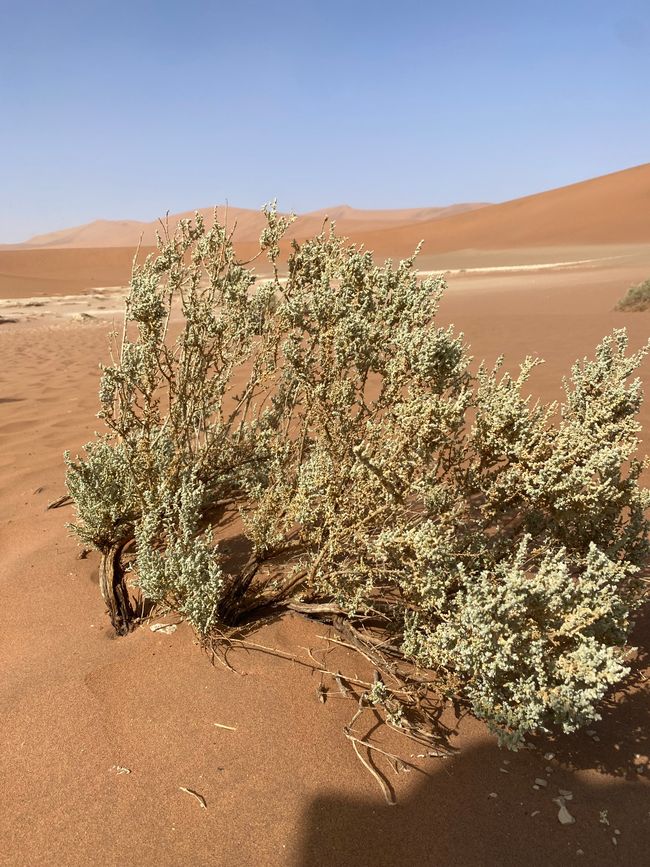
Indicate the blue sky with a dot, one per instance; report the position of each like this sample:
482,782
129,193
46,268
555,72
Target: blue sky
129,109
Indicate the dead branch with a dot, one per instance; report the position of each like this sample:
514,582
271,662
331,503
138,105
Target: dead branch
314,608
65,500
114,590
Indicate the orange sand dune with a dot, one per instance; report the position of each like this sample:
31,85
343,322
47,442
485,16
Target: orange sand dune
59,272
247,225
612,209
101,253
130,233
351,221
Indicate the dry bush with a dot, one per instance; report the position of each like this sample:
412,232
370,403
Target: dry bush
636,298
464,538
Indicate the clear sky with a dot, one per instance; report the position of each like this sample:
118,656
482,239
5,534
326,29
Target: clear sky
129,108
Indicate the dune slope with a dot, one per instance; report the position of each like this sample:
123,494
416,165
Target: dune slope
566,223
246,223
612,209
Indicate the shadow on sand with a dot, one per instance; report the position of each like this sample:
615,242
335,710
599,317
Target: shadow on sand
450,817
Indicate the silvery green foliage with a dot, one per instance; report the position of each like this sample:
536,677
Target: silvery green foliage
536,645
102,488
176,562
173,416
526,592
374,392
504,551
494,539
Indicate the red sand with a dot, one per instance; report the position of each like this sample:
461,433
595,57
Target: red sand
246,224
285,788
25,273
612,209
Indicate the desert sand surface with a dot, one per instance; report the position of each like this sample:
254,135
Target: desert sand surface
26,273
103,735
284,787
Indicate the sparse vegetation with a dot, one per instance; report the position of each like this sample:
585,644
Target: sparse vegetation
466,539
636,298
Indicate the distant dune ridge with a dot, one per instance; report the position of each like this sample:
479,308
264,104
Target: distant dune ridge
247,224
611,209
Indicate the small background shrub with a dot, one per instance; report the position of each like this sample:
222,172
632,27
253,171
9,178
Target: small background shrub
636,298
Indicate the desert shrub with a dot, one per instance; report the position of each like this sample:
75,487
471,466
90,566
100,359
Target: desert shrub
636,298
380,482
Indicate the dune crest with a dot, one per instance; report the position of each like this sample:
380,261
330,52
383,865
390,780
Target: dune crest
246,223
610,209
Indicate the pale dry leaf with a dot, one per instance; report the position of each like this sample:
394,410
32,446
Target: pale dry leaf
165,628
563,816
201,800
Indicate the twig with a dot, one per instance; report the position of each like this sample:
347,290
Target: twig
365,654
314,608
377,749
421,736
355,741
310,654
65,500
387,791
293,658
341,684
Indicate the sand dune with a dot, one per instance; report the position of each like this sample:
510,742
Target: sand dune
25,273
566,224
351,221
130,233
612,209
101,253
247,225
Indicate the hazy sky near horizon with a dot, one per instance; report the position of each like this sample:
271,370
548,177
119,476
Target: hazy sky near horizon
115,109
